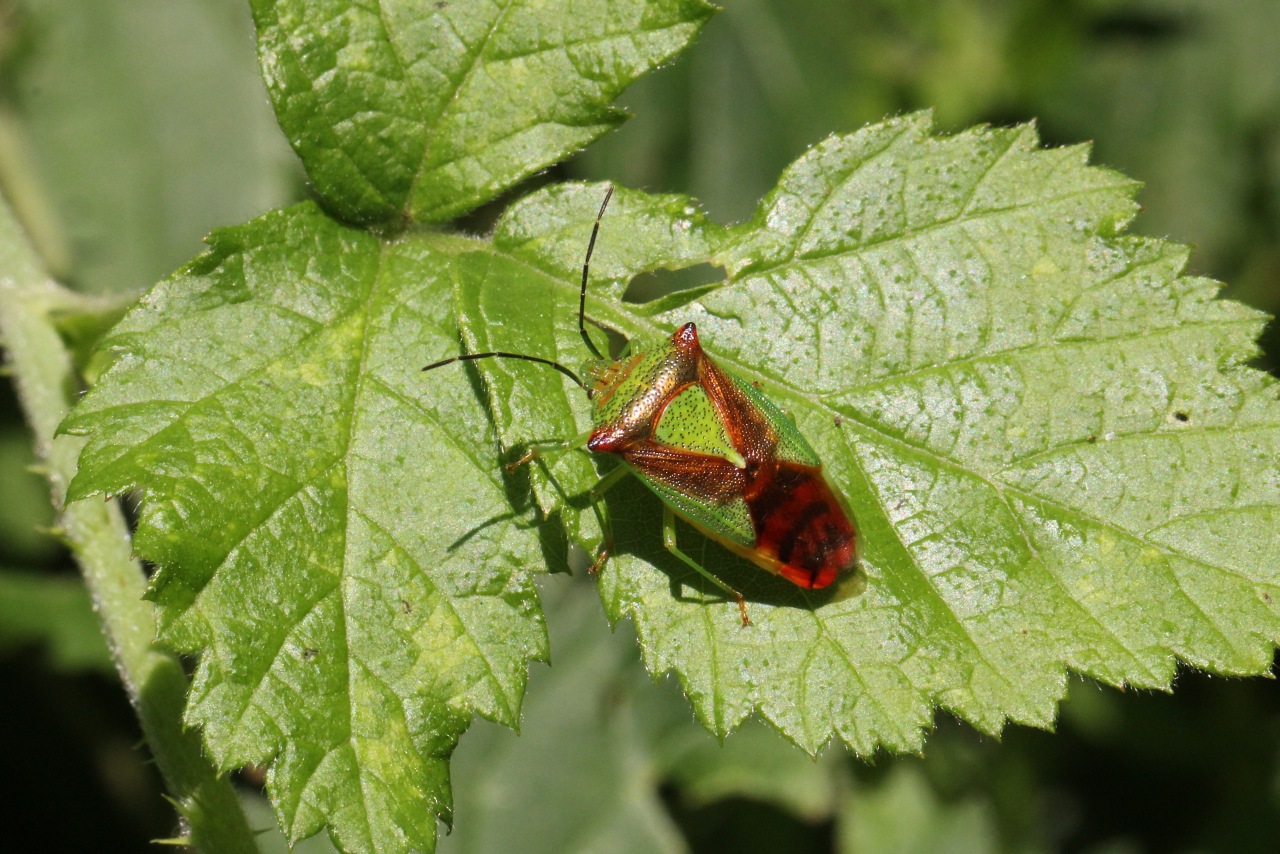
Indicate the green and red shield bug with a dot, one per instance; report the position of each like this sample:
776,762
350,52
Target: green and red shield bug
719,454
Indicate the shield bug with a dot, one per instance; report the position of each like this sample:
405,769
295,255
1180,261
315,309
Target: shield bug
713,447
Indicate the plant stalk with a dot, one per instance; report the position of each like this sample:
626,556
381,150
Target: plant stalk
98,536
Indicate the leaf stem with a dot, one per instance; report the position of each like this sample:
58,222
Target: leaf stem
99,538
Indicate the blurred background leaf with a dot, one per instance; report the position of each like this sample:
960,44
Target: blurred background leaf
128,130
133,129
904,814
54,612
24,495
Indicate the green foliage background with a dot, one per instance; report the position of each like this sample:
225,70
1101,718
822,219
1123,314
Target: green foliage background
127,131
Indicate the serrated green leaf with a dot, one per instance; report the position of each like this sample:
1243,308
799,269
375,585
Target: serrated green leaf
295,465
427,110
1053,453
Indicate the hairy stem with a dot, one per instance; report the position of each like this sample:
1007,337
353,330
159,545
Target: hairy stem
99,538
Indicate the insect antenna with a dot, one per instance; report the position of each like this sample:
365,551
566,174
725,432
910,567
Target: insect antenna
582,308
471,357
586,269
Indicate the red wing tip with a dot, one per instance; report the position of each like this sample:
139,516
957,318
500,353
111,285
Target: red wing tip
809,579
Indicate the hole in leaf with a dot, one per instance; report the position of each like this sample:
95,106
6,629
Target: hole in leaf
656,284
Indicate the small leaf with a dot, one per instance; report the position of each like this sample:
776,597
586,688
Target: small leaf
352,607
427,110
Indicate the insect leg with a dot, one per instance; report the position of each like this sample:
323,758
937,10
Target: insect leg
602,515
538,449
669,540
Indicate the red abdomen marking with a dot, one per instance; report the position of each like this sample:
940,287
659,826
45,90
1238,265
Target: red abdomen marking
800,523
